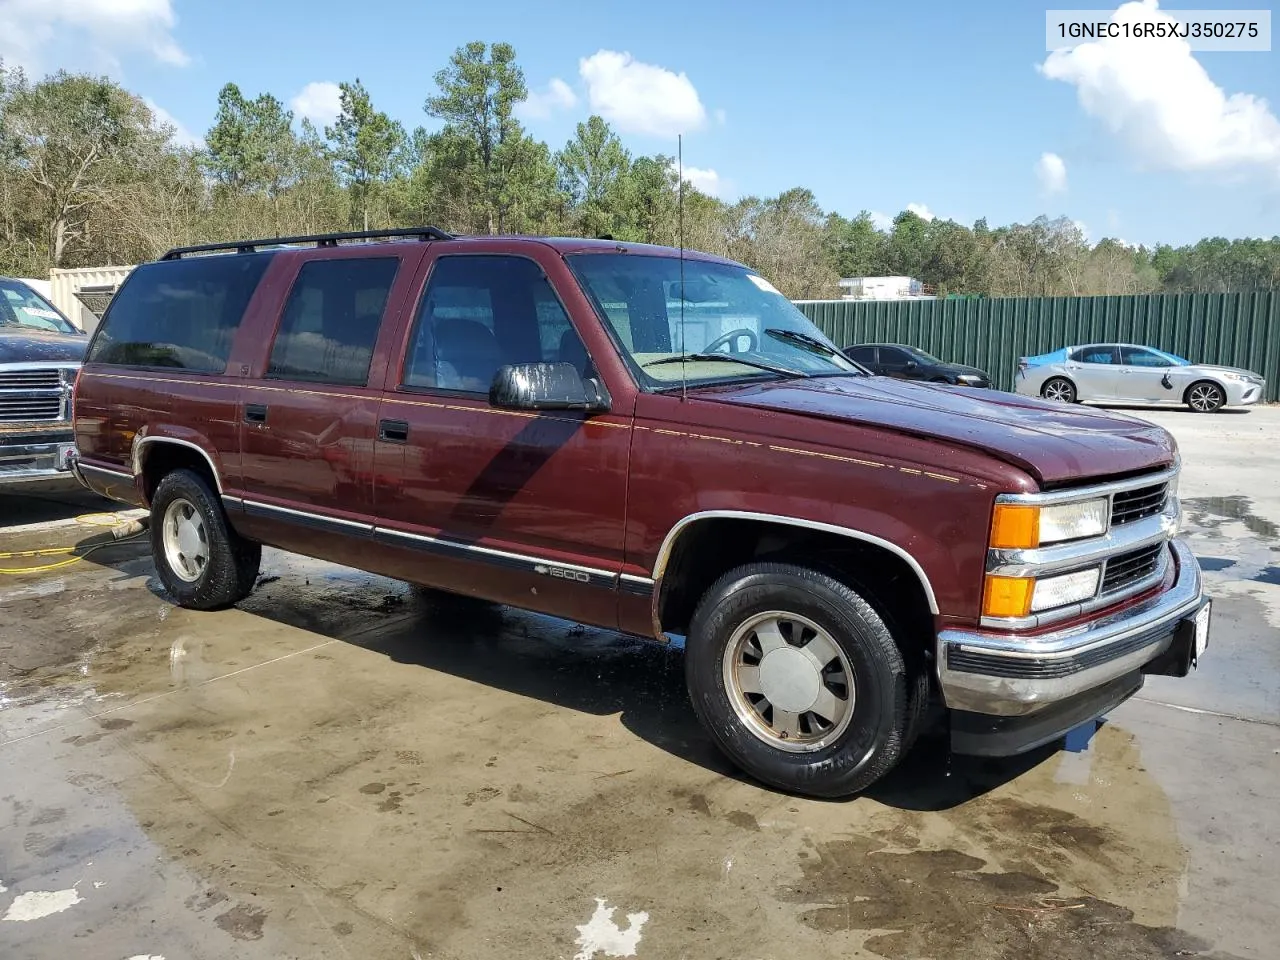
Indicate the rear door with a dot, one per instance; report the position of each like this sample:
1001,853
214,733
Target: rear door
514,506
1095,370
1144,375
307,413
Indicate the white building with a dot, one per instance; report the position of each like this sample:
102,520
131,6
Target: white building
883,288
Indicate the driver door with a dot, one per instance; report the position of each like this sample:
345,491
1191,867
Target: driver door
1143,375
897,363
516,507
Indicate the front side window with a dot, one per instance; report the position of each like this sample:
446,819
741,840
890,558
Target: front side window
481,312
180,314
1137,357
331,320
863,355
20,306
718,322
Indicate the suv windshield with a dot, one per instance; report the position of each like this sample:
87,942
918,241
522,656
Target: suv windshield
20,306
722,322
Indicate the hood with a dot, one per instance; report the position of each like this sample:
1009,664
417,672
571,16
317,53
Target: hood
19,345
1054,442
1214,368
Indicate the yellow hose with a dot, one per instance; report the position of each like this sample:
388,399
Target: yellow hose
111,520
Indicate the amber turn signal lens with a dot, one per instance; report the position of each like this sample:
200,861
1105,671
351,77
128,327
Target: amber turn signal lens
1007,596
1015,527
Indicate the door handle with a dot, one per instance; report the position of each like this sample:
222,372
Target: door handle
255,413
393,431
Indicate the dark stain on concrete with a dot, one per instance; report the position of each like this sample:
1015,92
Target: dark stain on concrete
200,902
373,788
740,818
47,815
481,795
115,723
392,803
244,922
343,929
945,903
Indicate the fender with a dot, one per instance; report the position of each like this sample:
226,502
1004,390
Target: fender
189,439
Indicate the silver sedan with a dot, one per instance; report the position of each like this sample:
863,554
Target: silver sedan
1125,373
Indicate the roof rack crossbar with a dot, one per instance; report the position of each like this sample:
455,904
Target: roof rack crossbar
319,239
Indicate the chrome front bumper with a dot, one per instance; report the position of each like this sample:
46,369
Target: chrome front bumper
36,462
1007,674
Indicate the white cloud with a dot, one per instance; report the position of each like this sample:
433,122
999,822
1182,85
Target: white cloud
703,180
45,35
640,97
538,106
881,221
1051,171
319,101
921,211
181,136
1159,100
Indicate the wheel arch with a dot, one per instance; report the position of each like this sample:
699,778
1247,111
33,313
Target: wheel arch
743,536
1186,394
155,455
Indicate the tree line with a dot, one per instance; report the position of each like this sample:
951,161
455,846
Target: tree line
89,175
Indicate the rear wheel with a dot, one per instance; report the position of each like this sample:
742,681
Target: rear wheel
202,562
1205,397
1060,389
798,680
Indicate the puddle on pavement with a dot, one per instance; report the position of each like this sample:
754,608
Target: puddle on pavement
1211,512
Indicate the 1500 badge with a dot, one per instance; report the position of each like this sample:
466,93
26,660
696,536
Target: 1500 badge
563,574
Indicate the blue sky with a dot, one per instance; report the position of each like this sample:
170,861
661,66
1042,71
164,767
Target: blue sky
951,107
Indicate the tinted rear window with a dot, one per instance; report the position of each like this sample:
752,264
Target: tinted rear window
181,314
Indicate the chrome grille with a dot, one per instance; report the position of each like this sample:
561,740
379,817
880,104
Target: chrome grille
1126,569
44,379
1130,505
30,409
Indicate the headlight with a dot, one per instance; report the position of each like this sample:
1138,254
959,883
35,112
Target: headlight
1017,526
968,378
1238,377
1019,596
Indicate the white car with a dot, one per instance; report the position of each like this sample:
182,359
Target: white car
1123,373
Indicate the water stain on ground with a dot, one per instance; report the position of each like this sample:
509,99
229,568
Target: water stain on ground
243,922
1212,512
944,903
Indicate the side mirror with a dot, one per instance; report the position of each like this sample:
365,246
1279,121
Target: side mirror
546,386
911,364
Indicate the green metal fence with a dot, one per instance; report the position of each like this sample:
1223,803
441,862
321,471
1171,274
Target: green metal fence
1233,329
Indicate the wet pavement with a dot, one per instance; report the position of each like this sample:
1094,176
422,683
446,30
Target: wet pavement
343,767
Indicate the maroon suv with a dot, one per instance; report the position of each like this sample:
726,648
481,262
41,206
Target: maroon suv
661,444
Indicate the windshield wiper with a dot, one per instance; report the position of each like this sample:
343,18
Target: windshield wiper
684,357
812,344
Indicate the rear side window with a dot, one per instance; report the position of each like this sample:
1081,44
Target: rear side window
331,321
179,314
1095,354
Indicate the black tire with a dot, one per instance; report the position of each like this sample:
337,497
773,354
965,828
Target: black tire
231,567
1205,396
1066,390
886,704
939,380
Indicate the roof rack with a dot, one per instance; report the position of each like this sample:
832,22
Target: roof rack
319,239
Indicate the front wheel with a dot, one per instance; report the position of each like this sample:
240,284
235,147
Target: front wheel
202,562
1205,397
798,680
1060,389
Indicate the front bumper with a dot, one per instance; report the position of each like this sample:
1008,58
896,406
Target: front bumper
37,462
1245,394
1012,675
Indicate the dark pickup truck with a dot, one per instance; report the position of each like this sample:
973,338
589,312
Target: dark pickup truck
40,352
655,442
